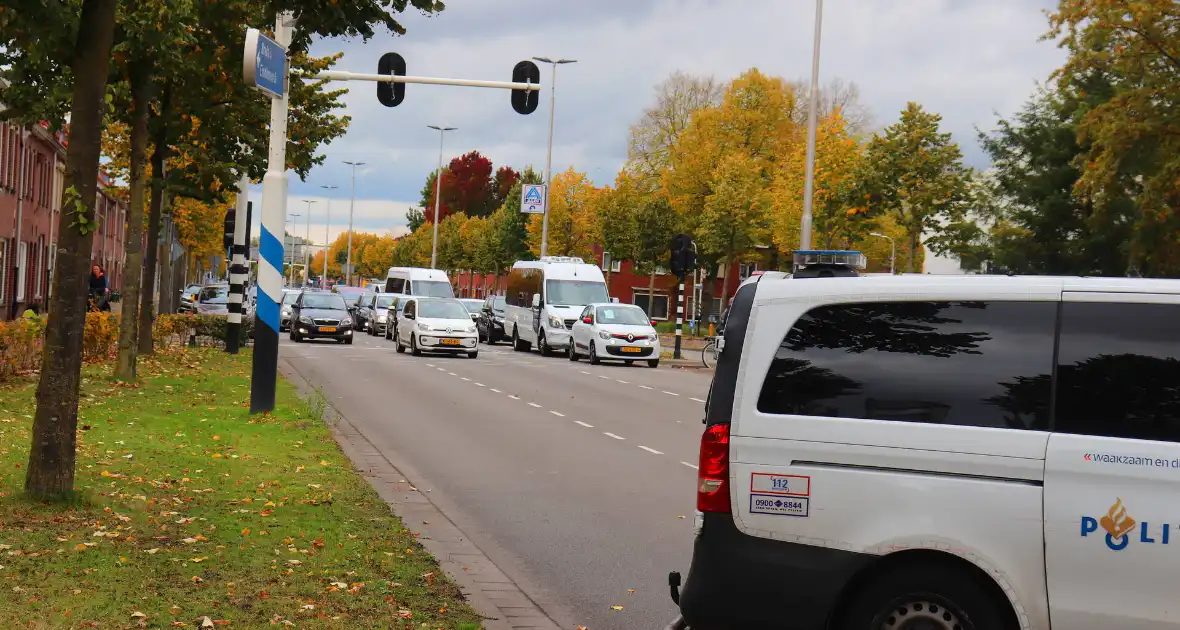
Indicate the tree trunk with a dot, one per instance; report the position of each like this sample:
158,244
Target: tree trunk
706,306
470,282
52,454
651,294
141,80
725,286
147,299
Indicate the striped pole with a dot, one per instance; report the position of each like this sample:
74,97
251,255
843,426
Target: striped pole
679,317
237,269
270,275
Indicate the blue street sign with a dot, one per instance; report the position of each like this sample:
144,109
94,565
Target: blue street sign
264,64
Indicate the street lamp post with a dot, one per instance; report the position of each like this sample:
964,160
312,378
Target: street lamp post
327,226
437,193
306,240
549,153
294,217
351,204
812,106
892,249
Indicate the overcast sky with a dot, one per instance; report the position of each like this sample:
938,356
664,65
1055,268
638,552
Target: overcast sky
964,59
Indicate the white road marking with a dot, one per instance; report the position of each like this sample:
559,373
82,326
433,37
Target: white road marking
617,437
480,385
588,426
603,376
533,404
622,381
651,450
670,393
429,365
558,414
646,387
696,400
514,397
469,380
452,374
495,390
584,372
692,466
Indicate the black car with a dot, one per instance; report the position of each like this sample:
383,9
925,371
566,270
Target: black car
365,315
394,312
491,320
321,315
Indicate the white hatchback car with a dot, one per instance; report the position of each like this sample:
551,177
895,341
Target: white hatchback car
437,325
616,332
945,452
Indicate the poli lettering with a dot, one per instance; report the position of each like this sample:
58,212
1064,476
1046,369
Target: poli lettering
1118,543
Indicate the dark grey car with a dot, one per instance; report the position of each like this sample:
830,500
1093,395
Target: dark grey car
321,315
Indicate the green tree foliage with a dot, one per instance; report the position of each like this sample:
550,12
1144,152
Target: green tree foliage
921,178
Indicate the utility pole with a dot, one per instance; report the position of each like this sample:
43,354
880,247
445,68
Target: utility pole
892,250
549,153
327,227
351,205
437,194
237,270
294,216
813,105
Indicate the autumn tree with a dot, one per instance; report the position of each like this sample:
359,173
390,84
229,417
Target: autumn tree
377,257
571,217
508,228
1131,136
650,142
468,186
921,178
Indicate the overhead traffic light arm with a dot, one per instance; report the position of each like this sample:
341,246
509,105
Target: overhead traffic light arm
341,75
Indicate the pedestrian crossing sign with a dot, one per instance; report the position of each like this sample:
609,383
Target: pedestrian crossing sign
533,201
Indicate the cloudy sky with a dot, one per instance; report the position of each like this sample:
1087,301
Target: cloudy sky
964,59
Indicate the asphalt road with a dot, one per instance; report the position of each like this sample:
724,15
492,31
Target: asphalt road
576,480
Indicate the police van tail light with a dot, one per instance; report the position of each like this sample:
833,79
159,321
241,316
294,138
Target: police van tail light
713,471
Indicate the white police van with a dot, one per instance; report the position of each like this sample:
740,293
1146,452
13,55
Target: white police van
544,298
945,452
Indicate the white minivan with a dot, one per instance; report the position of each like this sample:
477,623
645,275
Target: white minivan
545,297
946,452
418,281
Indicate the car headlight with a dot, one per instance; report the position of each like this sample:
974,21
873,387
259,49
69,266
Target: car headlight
603,335
346,321
307,320
470,329
382,317
423,327
498,319
286,312
555,322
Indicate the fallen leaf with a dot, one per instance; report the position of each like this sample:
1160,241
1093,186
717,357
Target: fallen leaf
630,590
153,551
616,607
138,615
206,623
295,562
405,614
196,579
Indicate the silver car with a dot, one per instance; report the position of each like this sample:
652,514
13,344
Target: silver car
213,299
379,313
289,297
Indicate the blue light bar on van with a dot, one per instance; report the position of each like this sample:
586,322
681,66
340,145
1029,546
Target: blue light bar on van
563,259
848,258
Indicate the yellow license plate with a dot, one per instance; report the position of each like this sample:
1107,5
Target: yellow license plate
450,342
630,349
327,329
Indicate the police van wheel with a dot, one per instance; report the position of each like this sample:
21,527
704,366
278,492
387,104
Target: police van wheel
938,595
517,344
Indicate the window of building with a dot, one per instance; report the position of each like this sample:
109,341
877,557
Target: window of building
38,286
3,154
658,310
3,270
1118,371
22,270
982,364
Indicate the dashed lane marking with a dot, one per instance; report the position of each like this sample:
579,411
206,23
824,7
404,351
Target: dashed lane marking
670,393
588,426
651,450
617,437
692,466
534,405
696,400
557,413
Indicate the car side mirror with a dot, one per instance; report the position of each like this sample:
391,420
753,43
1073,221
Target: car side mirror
587,320
536,300
614,300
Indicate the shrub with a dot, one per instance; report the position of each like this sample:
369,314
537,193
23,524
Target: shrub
101,337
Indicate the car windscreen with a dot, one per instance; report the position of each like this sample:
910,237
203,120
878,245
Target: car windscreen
290,296
473,306
214,295
626,315
383,301
324,300
575,292
498,304
442,310
439,289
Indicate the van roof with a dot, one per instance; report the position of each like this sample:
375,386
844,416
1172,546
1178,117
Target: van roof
563,268
962,287
418,273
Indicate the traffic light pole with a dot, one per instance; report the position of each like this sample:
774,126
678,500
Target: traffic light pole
679,317
237,269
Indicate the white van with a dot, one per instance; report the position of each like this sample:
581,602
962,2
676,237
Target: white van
418,281
975,452
544,297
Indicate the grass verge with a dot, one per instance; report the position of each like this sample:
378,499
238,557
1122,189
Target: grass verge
191,513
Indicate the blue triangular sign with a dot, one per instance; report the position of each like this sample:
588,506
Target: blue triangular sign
533,196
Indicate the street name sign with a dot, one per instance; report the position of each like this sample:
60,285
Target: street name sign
533,199
265,63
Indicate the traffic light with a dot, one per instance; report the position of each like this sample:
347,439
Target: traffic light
526,101
683,257
391,94
227,238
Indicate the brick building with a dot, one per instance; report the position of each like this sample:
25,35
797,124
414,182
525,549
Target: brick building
630,287
32,175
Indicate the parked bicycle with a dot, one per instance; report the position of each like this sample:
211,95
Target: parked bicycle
710,352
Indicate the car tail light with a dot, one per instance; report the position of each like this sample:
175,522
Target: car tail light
713,472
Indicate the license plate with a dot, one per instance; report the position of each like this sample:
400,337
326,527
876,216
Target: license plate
630,349
450,342
327,329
